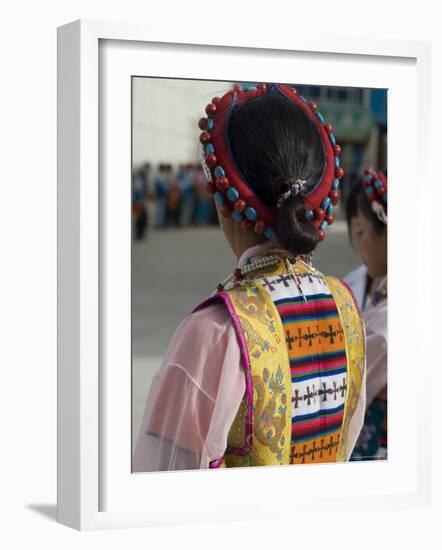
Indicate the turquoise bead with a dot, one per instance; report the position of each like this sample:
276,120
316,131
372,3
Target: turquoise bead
325,203
219,171
219,198
251,213
210,149
237,216
378,184
270,233
385,197
321,118
329,208
209,124
249,88
233,194
323,225
309,214
337,162
369,190
332,139
335,184
303,98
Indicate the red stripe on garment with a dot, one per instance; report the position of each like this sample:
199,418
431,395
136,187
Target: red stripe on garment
317,424
319,365
307,308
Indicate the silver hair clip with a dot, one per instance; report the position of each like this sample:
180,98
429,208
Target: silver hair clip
293,190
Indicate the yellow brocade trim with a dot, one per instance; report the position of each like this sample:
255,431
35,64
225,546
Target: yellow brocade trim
355,351
270,370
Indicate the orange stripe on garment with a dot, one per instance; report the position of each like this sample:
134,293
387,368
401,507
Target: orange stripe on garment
316,345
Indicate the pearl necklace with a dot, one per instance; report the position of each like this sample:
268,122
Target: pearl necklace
259,262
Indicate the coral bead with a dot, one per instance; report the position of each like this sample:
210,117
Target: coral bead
337,150
247,224
226,210
211,160
339,172
313,105
334,197
321,234
205,138
239,205
210,187
259,227
329,219
202,123
262,87
237,274
237,88
381,190
222,183
328,128
319,213
211,109
216,100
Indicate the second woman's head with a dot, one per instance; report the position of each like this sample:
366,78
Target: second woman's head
368,233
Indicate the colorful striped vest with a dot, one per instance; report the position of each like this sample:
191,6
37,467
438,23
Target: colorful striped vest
302,350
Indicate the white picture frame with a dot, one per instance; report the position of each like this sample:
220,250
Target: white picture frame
96,489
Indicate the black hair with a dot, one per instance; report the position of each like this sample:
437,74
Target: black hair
357,201
274,142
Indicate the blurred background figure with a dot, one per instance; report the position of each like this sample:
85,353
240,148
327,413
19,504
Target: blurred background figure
366,212
140,191
161,188
173,198
186,185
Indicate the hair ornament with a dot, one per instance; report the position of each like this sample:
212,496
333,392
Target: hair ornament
224,178
375,185
295,188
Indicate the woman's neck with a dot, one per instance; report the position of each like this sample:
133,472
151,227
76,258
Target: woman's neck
246,239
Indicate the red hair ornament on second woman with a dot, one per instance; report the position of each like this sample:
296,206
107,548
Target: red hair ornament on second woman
231,191
376,187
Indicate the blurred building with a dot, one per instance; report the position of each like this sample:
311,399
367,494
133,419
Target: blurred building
165,114
359,118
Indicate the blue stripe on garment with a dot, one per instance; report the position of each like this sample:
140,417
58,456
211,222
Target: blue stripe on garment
322,374
300,299
313,315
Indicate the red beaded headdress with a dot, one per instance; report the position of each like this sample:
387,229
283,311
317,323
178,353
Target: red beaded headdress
375,184
225,181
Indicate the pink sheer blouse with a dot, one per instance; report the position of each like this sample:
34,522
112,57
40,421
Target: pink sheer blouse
195,395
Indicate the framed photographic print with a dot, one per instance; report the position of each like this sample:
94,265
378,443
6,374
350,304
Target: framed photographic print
155,141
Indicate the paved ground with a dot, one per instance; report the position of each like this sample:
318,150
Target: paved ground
173,270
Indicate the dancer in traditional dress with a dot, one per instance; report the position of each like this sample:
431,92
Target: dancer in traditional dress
367,222
270,369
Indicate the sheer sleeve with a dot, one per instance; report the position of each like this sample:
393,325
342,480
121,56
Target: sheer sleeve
194,397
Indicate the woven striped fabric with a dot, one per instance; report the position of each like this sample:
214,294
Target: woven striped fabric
318,363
